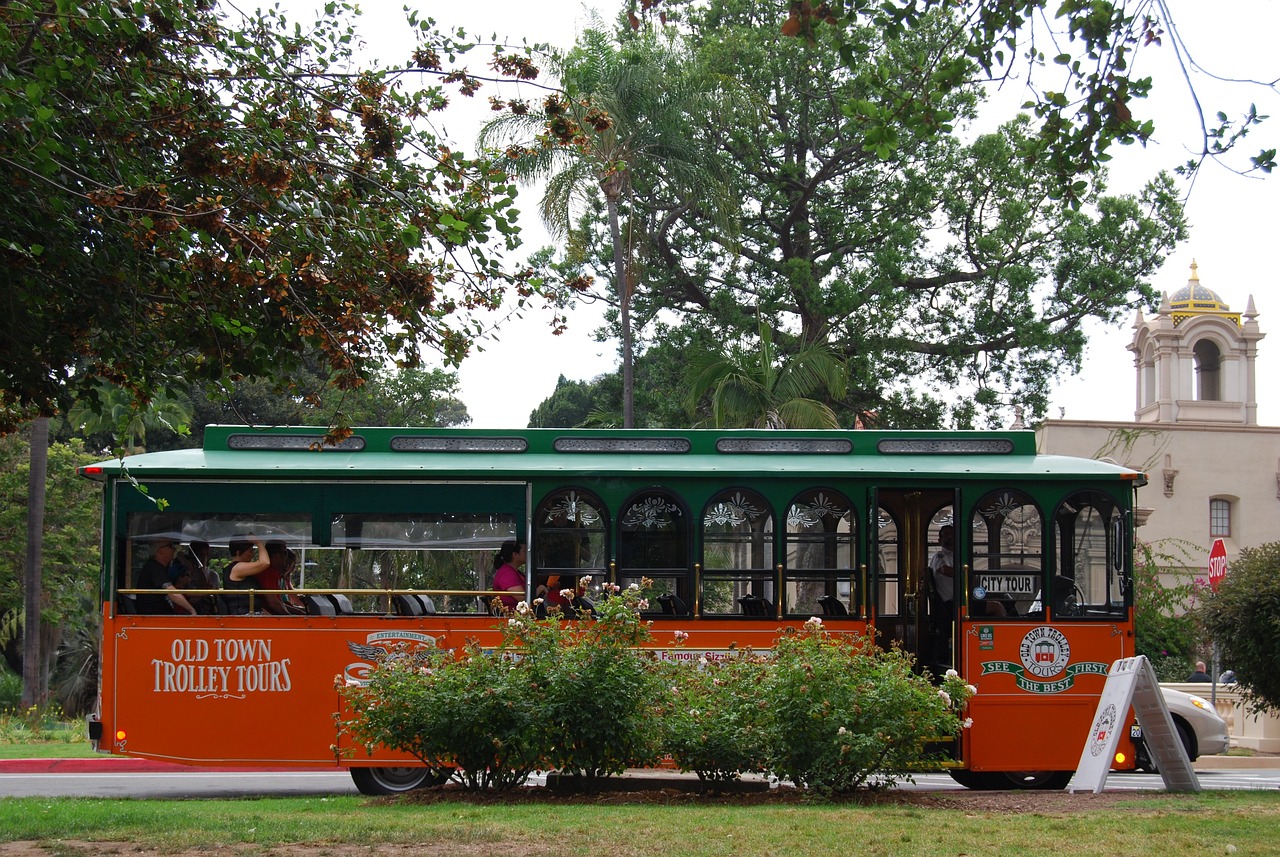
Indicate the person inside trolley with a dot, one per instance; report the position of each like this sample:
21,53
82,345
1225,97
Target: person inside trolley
508,572
942,580
155,575
248,559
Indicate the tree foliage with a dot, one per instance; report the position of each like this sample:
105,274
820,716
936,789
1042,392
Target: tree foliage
932,262
1243,617
1075,57
191,191
1166,629
70,552
624,113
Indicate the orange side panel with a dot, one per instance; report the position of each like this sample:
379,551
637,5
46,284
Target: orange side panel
1038,689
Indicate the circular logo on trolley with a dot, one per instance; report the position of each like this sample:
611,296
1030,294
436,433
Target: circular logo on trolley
1045,652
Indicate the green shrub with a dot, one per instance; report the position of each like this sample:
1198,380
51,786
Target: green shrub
1164,629
840,709
598,688
711,716
478,712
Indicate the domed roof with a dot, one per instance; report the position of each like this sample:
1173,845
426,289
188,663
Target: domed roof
1195,297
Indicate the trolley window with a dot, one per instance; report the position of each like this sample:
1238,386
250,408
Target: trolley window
737,555
820,550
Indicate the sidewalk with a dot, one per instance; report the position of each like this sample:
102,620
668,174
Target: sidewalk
1235,763
122,765
118,765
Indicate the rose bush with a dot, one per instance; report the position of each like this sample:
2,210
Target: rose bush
840,710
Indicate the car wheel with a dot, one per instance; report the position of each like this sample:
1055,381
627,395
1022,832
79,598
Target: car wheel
394,781
1144,761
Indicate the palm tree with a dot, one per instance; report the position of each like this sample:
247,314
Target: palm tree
119,413
749,387
626,107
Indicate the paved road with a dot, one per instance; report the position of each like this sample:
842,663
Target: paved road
123,778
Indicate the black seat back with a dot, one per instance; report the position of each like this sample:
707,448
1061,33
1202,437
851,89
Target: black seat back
832,606
407,605
341,604
318,605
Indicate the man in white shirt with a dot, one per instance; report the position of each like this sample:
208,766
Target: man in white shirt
942,605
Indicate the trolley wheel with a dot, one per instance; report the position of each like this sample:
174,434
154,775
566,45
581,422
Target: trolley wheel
978,781
394,781
1039,780
987,781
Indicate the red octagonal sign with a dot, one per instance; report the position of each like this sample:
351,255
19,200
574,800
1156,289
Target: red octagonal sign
1217,563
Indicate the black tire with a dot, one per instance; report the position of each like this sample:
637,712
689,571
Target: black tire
988,781
1143,760
394,781
979,781
1037,780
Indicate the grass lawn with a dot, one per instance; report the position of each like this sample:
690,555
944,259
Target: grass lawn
1130,824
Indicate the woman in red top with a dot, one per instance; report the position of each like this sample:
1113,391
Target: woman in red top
507,573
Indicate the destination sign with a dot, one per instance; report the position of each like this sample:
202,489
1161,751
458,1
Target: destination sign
1010,584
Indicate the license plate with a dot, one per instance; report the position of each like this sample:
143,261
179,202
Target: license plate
1135,732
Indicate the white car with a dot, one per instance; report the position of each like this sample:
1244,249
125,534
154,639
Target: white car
1202,731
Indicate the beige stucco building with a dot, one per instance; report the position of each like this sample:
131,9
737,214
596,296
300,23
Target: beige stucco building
1213,471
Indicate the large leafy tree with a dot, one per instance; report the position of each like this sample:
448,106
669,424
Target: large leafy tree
69,547
624,110
1243,616
930,263
190,191
1075,60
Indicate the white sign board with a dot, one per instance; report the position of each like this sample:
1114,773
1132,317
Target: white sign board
1132,681
1010,584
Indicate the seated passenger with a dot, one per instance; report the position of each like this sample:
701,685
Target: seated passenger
508,575
248,560
195,562
155,575
571,601
276,578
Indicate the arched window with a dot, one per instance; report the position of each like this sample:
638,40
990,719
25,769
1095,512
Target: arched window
1148,375
1008,554
653,542
570,538
1090,545
737,555
1220,518
1208,376
821,534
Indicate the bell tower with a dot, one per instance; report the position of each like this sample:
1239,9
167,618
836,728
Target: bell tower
1196,360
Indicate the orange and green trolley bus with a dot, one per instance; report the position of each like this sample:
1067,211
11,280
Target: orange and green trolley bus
741,532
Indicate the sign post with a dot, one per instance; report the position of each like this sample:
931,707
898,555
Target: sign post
1217,571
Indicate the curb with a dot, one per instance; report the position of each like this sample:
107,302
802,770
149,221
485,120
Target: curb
120,765
126,765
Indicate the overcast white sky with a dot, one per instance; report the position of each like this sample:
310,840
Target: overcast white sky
1233,218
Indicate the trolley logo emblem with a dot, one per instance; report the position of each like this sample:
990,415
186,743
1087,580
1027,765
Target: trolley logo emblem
381,646
1046,663
1102,730
1045,652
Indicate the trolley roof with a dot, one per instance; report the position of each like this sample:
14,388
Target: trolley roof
300,453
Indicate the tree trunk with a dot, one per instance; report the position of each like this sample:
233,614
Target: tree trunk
624,312
34,684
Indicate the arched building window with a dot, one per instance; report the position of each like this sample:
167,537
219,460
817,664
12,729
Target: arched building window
1208,376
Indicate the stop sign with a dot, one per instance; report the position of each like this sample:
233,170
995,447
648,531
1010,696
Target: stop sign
1217,564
